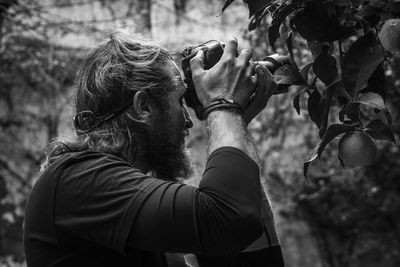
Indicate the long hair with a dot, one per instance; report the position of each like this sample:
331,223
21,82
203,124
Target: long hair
120,64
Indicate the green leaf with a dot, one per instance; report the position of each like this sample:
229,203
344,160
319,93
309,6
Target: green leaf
313,106
333,131
342,113
341,161
227,3
256,18
256,5
372,100
360,62
325,68
278,17
286,74
377,82
315,23
296,103
296,100
306,164
282,89
380,130
290,49
304,72
353,111
327,105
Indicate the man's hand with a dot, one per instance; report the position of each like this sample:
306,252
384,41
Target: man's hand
231,78
265,88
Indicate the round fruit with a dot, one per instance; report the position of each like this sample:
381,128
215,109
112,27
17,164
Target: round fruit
390,35
357,149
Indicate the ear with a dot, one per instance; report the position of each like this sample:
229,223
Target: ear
142,106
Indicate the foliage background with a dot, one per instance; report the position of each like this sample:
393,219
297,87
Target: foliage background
342,217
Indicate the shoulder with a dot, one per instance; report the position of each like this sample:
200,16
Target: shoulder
88,169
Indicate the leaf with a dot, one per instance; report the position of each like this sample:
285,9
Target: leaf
296,103
380,130
313,106
325,68
333,131
377,82
353,111
278,17
340,91
314,23
282,89
286,74
256,6
327,106
256,18
306,164
322,105
296,100
360,61
341,161
342,113
372,100
290,49
227,3
304,72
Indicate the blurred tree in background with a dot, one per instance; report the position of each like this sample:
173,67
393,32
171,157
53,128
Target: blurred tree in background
341,217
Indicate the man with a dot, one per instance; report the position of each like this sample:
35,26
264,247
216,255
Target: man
112,196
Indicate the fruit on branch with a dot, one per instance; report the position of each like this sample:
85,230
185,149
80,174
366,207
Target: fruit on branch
357,149
390,35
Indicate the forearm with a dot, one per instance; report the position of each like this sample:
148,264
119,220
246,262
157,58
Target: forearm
227,128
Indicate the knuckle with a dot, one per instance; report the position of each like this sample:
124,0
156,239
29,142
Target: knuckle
194,59
247,51
228,61
240,64
233,41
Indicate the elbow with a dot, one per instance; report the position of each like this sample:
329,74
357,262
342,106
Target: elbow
247,228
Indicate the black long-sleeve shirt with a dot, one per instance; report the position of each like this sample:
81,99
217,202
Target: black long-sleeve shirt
94,209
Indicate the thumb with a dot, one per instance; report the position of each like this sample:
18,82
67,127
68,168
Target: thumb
197,63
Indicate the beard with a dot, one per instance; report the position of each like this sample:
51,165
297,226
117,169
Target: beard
165,151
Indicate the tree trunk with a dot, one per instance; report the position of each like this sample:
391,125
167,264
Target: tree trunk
143,16
180,9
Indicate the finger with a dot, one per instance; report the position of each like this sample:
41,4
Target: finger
244,56
197,63
266,80
230,49
251,69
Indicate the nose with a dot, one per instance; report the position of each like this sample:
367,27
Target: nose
188,120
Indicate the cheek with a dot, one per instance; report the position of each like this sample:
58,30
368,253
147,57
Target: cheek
179,118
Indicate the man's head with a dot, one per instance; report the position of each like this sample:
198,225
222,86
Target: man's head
149,132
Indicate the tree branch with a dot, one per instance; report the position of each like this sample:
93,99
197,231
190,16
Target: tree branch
19,177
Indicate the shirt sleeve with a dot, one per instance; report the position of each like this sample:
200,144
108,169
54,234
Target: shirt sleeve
109,203
270,257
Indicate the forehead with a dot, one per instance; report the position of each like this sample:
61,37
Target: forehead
177,77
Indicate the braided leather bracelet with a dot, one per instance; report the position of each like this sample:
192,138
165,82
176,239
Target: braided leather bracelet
221,103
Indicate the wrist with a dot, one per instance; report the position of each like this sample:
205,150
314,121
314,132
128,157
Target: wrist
224,116
222,104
